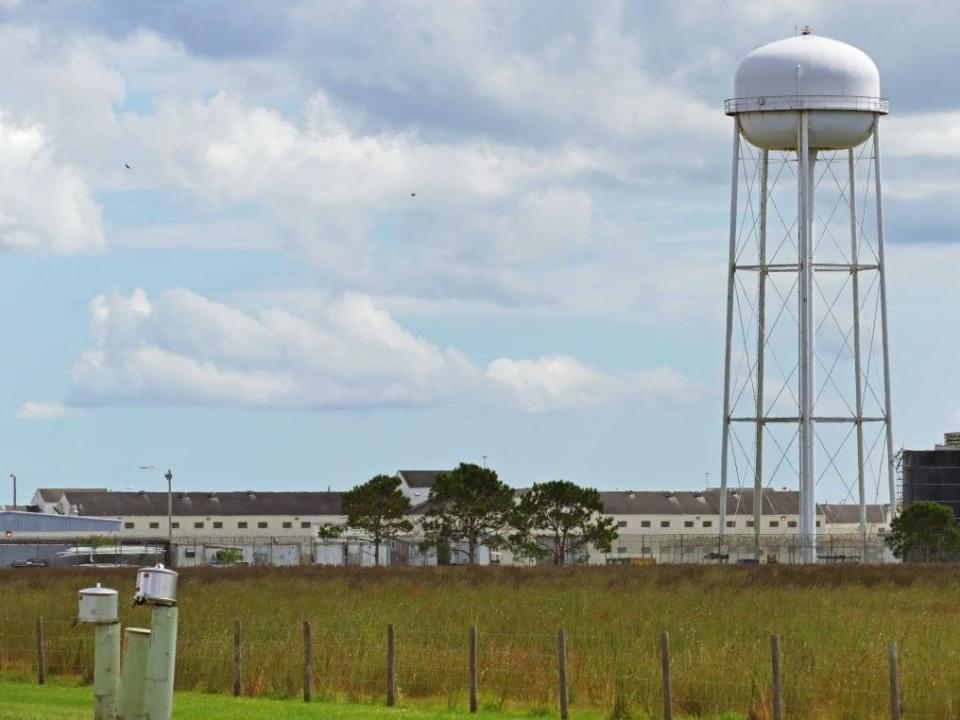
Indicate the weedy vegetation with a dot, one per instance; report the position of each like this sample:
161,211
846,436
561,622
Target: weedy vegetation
834,622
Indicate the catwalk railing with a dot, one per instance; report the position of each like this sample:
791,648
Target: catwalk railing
753,675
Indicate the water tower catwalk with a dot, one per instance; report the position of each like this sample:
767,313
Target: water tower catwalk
807,369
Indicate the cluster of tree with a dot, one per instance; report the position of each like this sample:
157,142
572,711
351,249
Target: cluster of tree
471,508
925,531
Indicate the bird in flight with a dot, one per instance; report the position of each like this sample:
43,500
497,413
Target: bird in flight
127,166
413,194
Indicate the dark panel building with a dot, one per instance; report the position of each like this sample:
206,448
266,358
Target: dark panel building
934,475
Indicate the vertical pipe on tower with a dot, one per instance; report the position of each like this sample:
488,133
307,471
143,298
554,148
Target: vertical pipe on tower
731,277
858,377
882,269
761,346
808,505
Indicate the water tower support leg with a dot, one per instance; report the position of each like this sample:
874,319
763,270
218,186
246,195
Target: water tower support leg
891,476
731,279
761,347
857,371
106,671
808,503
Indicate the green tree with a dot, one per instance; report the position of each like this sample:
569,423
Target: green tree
377,510
469,507
925,528
558,519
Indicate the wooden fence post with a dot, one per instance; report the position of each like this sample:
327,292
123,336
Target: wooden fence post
665,665
894,683
237,660
391,667
777,683
307,662
473,669
562,661
41,655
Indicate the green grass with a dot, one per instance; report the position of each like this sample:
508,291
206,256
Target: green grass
835,624
22,701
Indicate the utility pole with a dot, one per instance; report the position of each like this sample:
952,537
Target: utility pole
169,476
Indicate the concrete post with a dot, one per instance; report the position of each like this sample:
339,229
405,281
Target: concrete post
133,675
161,663
106,671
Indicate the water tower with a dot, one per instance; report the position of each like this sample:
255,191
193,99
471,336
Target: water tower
807,369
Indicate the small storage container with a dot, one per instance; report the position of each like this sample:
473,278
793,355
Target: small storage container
98,605
156,586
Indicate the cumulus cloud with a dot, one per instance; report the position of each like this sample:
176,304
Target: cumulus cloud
559,382
44,204
37,410
183,348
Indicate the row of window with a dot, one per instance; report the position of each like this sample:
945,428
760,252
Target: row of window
709,523
217,525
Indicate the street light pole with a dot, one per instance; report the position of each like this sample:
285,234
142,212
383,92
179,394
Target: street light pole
14,478
168,475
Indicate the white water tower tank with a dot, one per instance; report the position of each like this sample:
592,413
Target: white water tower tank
837,84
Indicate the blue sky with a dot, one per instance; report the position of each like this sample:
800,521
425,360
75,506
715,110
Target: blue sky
362,236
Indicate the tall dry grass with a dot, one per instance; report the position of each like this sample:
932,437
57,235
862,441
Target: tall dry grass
835,623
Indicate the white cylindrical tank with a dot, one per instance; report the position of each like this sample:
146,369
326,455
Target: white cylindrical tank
98,605
836,83
156,586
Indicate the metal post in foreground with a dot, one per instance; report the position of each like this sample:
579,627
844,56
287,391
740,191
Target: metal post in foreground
237,660
307,662
41,657
106,671
391,667
473,669
562,662
777,682
161,662
894,683
665,663
132,701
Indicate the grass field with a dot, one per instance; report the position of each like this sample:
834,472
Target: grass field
835,623
20,701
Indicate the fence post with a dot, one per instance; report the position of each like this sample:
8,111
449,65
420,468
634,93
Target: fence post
41,656
307,662
894,683
562,661
665,664
237,659
391,667
473,669
777,684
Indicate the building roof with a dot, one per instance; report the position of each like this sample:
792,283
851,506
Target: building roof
54,494
106,503
850,514
20,523
419,478
698,502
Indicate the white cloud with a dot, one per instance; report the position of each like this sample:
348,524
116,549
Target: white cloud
935,134
44,204
37,410
559,382
183,348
